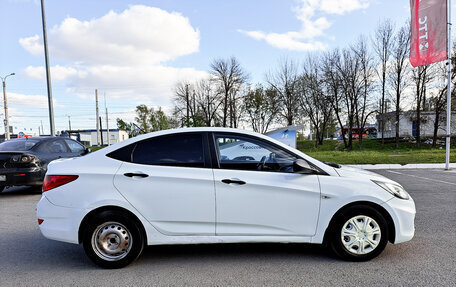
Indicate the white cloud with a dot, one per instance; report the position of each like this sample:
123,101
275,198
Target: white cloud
287,41
140,34
33,45
342,6
123,54
35,101
150,85
58,73
311,25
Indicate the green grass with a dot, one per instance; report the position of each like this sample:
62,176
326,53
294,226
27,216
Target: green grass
372,153
95,148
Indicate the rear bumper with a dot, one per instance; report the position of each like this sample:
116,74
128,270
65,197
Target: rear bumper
59,223
22,176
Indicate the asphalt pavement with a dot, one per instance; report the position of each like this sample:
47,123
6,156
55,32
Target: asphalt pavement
29,259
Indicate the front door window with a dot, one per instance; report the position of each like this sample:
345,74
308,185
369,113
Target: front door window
245,153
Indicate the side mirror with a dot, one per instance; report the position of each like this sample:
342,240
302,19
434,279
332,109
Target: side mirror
87,150
303,167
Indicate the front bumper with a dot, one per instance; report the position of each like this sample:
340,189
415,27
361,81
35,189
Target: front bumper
403,214
59,223
22,176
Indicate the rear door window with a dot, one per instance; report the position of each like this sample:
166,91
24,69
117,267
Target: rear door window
57,146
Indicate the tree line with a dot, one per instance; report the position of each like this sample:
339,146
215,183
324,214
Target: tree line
344,87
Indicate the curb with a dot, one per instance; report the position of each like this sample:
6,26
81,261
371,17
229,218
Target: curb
407,166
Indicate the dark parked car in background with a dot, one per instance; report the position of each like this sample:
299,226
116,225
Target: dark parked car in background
24,161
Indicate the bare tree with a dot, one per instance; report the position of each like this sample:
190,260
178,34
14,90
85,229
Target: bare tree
366,86
422,75
185,104
261,106
208,101
285,81
230,75
313,101
351,78
399,69
382,44
332,85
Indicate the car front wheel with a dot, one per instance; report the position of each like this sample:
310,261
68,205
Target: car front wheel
113,240
359,234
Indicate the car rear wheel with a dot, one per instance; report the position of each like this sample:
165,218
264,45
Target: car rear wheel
359,234
113,240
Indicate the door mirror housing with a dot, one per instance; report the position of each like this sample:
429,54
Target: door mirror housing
86,151
303,167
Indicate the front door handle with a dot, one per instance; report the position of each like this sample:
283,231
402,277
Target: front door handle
237,181
132,174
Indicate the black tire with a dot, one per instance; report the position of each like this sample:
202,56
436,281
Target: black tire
363,246
2,187
113,240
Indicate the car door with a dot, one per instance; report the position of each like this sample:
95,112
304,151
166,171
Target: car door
169,180
257,192
58,149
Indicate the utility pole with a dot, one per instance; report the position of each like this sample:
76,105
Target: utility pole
69,123
42,130
101,132
107,122
48,72
5,102
98,123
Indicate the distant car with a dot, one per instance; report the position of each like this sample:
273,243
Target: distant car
217,185
24,161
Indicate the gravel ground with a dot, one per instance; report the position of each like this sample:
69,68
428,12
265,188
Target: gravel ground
28,259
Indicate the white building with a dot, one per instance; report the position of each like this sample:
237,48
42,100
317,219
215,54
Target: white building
89,137
407,124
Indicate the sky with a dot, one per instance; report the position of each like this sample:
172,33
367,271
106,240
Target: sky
134,52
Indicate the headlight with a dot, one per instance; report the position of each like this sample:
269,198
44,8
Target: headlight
394,189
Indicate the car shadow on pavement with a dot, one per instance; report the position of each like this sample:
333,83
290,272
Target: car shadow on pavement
46,254
236,252
20,190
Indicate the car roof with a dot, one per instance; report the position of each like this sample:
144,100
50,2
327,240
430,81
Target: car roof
40,138
108,149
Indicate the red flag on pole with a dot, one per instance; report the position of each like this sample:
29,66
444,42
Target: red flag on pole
429,41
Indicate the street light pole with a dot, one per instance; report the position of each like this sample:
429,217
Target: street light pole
5,102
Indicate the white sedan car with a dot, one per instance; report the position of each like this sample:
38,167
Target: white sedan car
217,185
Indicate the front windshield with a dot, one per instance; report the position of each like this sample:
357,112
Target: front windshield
18,145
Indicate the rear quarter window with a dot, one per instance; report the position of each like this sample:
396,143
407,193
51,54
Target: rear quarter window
123,153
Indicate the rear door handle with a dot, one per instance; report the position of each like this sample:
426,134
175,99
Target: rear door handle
237,181
132,174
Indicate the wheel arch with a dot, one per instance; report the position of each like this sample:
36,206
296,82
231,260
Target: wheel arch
101,209
380,209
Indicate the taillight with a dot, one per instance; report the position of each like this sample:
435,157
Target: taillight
53,181
25,158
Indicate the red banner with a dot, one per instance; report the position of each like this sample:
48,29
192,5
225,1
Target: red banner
429,40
